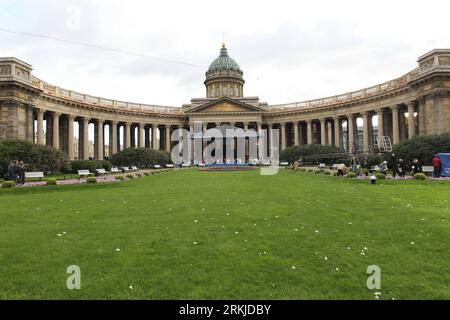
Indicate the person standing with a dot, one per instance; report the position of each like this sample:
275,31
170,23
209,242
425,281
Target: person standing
11,171
394,165
402,168
21,172
436,163
416,167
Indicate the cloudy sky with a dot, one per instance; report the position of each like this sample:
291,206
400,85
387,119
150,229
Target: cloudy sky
289,50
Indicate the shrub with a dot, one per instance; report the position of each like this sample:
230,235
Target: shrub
139,175
380,176
351,175
327,172
36,157
423,148
120,178
311,154
51,182
8,184
317,171
420,176
335,173
310,170
141,157
147,173
130,176
91,180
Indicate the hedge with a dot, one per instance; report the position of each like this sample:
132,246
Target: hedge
141,157
293,153
90,165
422,148
35,157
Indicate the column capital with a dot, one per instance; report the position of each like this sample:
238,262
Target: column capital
70,116
379,110
411,103
349,115
56,114
394,107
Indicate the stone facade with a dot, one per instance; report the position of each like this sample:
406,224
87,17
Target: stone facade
417,103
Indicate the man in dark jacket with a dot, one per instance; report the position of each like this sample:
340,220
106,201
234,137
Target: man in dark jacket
436,163
12,171
394,165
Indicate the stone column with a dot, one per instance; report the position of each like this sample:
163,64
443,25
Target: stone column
309,133
411,122
365,116
296,137
40,126
283,135
269,139
100,140
86,138
167,136
141,135
260,140
351,133
155,137
337,132
323,135
70,137
127,135
380,130
330,133
30,124
56,130
113,138
395,127
246,141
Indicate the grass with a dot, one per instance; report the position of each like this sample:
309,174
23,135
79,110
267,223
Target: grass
227,235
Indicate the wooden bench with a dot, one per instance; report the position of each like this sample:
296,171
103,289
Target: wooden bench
36,174
83,173
374,169
427,169
321,166
169,165
115,170
134,168
185,165
284,164
333,167
126,169
101,171
157,166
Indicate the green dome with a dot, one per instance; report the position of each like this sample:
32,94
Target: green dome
224,63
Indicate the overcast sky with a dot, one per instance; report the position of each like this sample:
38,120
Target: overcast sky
289,50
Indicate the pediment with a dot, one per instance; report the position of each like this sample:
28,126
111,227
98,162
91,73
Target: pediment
225,105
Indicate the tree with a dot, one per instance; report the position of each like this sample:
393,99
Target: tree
36,157
422,148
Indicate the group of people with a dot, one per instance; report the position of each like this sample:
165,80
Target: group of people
399,166
16,171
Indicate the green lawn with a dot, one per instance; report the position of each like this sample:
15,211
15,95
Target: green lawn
227,235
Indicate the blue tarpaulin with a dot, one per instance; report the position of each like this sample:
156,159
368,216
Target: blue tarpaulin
445,164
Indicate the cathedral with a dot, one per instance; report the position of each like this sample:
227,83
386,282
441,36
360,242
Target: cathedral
417,103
